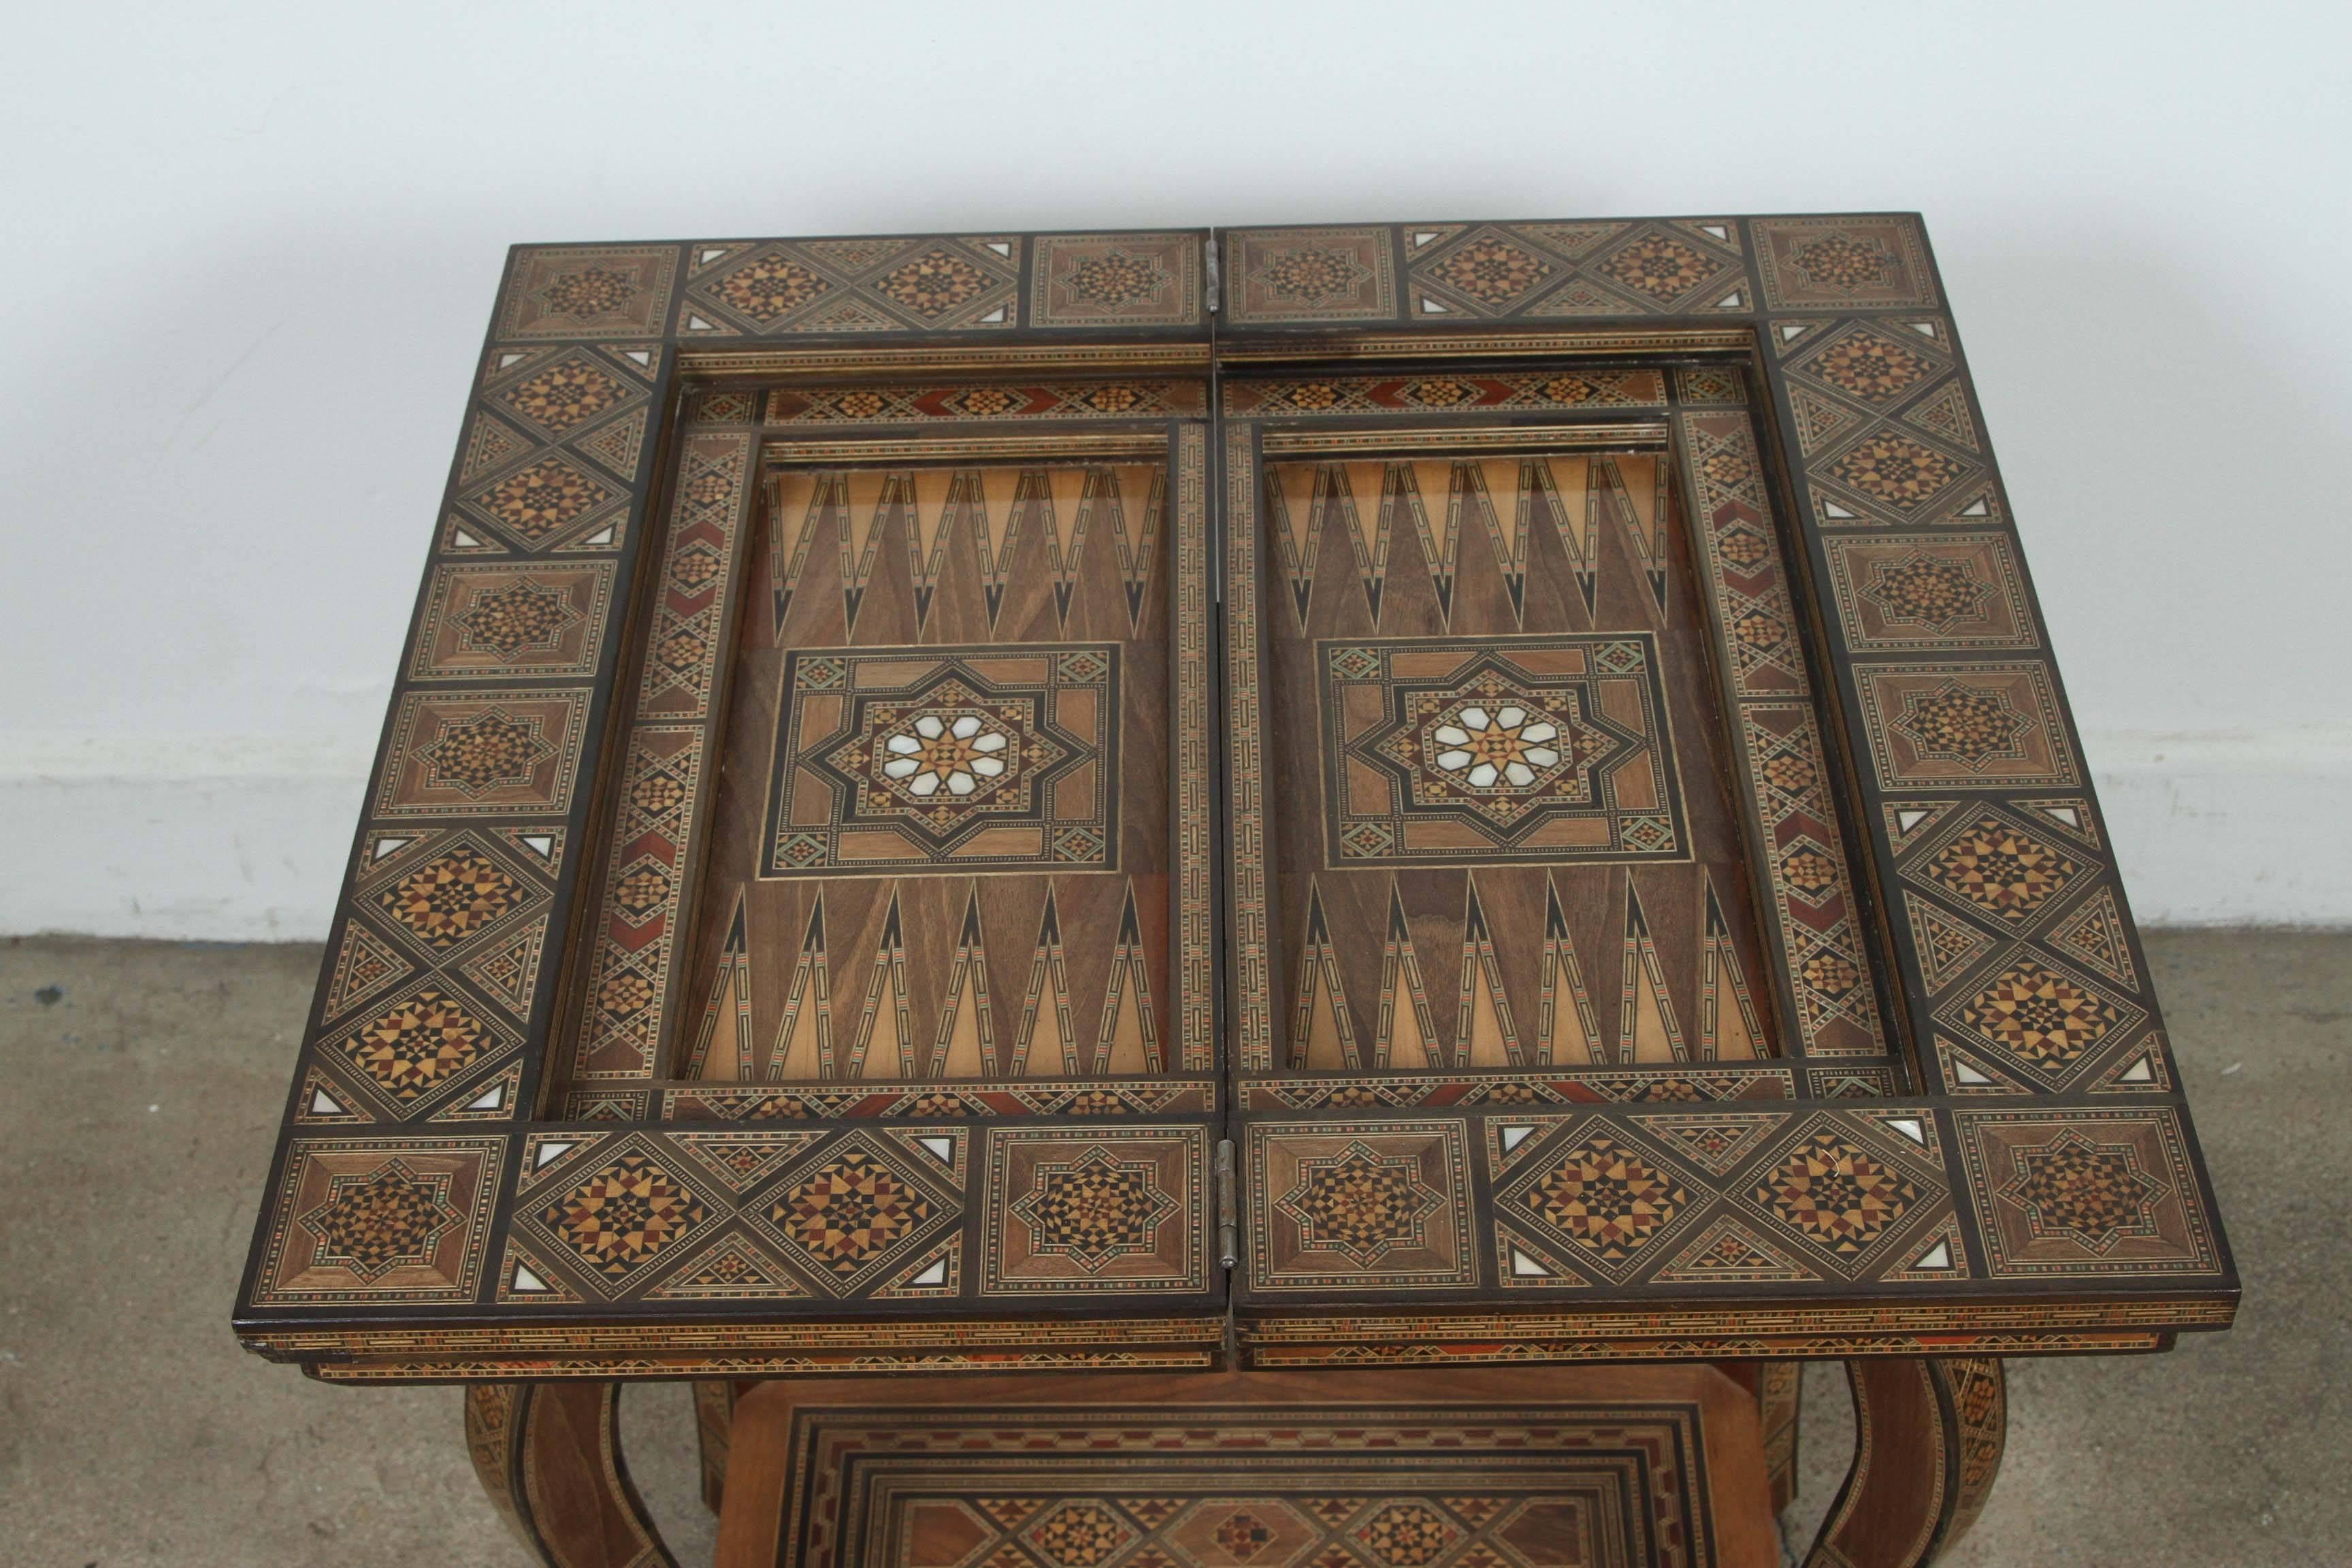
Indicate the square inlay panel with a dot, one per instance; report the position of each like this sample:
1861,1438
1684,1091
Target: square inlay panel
1448,752
942,760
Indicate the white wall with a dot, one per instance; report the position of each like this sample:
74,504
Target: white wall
250,250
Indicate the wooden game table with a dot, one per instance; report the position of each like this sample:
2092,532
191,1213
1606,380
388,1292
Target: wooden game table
1307,803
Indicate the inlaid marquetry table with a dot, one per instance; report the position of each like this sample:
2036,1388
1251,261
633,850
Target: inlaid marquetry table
1261,800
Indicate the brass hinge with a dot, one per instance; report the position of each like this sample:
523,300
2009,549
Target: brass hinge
1228,1210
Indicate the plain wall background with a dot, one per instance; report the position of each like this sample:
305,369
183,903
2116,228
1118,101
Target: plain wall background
251,250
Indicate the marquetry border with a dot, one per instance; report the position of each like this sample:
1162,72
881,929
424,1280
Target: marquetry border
567,456
1983,871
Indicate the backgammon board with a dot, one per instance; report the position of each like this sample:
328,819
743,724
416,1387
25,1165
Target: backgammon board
1448,793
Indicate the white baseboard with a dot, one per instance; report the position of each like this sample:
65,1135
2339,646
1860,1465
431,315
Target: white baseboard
2229,827
186,838
243,838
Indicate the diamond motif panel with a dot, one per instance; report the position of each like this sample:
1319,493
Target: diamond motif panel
1606,1200
422,1043
1842,1199
1992,865
2035,1016
625,1214
1535,270
854,1211
851,287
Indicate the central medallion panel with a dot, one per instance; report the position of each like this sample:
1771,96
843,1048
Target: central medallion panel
943,761
1448,751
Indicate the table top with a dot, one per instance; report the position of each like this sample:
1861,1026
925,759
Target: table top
1443,793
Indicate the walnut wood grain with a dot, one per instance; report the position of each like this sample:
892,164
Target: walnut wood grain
1927,1443
549,1455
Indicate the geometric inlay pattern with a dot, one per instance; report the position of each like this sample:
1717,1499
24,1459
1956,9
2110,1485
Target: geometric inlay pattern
1835,1194
2067,1191
946,759
479,752
856,1211
1325,274
1505,749
1979,723
1868,364
536,502
419,1045
848,1212
1134,279
1360,1206
1361,1202
1920,592
2094,1193
1119,1211
492,751
625,1215
1960,722
1794,806
579,292
515,620
393,1220
1603,1197
1080,1535
1458,272
1500,1476
1998,869
1848,306
451,898
2039,1016
1849,260
1406,1535
488,621
563,398
375,1221
1095,1208
820,287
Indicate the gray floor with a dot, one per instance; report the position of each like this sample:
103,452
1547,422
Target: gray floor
136,1113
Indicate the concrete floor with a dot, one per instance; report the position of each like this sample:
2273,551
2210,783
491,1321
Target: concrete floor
137,1105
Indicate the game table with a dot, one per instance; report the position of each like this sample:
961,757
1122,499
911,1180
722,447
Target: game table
1295,807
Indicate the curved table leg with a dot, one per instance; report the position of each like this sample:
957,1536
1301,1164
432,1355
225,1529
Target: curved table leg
1928,1443
549,1456
714,1425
